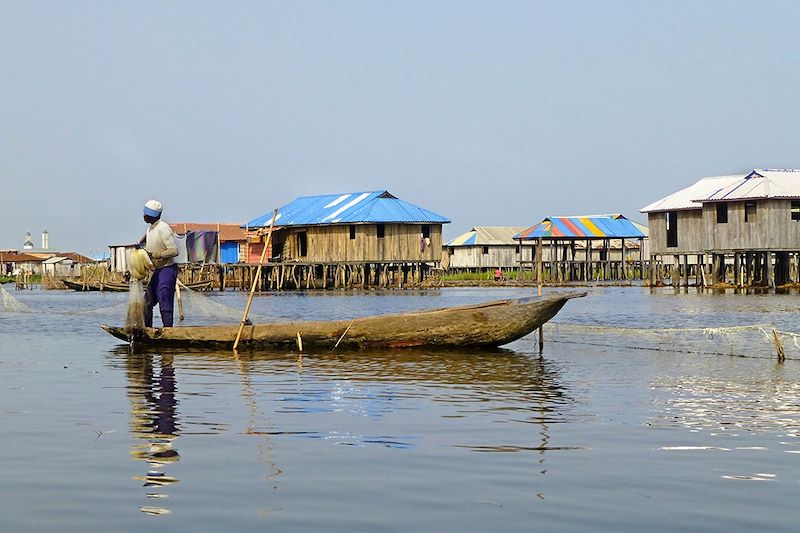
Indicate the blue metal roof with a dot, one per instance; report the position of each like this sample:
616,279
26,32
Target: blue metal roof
375,207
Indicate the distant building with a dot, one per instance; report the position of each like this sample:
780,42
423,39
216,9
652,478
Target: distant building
119,256
362,227
12,262
232,238
33,261
28,244
485,248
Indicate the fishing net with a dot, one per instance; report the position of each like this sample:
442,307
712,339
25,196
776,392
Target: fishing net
758,340
194,306
11,304
197,305
134,321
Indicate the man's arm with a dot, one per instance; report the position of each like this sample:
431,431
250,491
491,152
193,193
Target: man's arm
170,248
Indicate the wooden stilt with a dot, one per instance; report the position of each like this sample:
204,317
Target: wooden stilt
685,270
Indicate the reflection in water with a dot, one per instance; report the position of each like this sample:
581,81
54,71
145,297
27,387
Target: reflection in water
154,420
152,393
730,403
338,398
265,451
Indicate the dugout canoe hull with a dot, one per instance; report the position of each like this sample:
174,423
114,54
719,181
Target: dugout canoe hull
121,287
489,324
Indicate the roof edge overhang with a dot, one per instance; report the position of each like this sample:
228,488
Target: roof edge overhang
616,238
748,199
406,222
699,207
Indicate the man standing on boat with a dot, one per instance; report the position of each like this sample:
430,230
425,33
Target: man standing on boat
159,243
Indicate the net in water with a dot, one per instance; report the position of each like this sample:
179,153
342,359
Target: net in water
757,340
134,320
12,304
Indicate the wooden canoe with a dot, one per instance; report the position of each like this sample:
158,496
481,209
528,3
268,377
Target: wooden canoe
122,287
489,324
92,286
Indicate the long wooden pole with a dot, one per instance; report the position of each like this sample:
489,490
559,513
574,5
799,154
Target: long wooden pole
180,300
256,279
539,280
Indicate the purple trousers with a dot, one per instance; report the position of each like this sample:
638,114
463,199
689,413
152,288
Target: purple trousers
161,291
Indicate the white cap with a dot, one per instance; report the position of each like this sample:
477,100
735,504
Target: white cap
152,208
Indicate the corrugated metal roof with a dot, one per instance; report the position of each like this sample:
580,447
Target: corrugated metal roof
641,227
16,257
687,198
348,208
583,227
54,260
78,258
486,236
760,183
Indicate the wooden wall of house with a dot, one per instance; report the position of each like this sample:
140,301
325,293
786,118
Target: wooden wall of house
784,233
770,228
506,256
328,244
502,256
691,233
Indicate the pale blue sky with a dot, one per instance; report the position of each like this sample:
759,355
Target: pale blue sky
493,113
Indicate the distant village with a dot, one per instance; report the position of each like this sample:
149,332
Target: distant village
737,230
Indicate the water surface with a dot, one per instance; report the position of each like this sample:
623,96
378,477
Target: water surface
596,433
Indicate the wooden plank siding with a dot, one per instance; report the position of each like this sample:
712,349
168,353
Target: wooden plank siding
505,256
770,229
332,244
502,256
691,233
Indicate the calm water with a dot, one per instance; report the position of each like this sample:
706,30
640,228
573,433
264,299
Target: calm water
595,434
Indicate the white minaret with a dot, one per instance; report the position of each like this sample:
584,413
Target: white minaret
45,242
28,245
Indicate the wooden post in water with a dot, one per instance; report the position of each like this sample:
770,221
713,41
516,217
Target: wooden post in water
770,270
641,259
653,271
676,271
778,346
685,270
539,278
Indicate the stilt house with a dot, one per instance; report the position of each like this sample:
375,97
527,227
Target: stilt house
485,248
676,221
748,221
361,227
586,248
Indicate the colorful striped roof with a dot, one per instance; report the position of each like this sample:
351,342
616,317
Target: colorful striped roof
349,208
583,227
